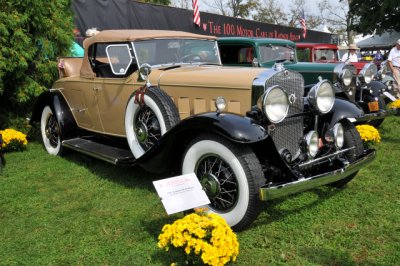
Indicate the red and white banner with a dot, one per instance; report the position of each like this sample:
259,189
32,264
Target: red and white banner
196,12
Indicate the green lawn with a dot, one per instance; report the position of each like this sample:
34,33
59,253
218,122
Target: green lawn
77,210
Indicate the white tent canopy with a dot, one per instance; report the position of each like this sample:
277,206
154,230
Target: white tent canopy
385,40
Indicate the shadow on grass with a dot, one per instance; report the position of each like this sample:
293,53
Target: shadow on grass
323,256
275,213
128,176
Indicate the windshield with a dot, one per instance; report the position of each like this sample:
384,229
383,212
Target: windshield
326,54
276,53
158,52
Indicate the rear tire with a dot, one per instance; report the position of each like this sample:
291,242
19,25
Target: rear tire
231,177
51,132
351,138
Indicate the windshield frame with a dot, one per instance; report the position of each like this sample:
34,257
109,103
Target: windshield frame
215,48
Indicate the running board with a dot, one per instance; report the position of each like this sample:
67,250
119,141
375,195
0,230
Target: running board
100,151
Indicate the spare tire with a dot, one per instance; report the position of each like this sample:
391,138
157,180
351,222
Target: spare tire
145,123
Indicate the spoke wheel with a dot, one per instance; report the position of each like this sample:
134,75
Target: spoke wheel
219,182
147,128
145,124
231,176
51,132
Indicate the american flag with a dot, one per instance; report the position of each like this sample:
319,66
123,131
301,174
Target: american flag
303,24
196,12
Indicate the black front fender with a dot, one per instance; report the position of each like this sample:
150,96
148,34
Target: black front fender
377,88
167,153
60,108
343,109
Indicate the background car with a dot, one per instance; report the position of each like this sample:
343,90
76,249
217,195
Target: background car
360,88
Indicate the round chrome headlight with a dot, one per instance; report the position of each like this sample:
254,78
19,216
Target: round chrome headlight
220,104
338,133
275,104
389,85
312,141
367,73
346,76
322,96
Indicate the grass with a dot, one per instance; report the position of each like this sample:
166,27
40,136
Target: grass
77,210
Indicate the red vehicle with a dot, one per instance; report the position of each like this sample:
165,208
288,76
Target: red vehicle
324,53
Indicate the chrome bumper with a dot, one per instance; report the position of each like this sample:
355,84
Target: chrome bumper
273,192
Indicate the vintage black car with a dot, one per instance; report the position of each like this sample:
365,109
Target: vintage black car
360,88
161,100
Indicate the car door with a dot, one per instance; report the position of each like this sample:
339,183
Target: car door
115,86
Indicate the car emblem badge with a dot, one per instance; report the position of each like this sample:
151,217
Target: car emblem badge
292,99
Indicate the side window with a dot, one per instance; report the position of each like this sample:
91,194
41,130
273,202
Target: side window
119,58
303,55
235,54
111,60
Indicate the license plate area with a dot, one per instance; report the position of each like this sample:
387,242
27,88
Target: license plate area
373,106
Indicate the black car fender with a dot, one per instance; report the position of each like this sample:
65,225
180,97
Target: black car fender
377,88
168,151
55,100
343,109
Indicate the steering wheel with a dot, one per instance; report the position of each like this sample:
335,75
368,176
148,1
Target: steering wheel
189,57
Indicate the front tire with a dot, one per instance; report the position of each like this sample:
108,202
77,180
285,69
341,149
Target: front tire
231,177
146,124
351,139
51,132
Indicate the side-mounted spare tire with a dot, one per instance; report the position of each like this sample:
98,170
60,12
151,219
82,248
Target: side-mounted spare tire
147,118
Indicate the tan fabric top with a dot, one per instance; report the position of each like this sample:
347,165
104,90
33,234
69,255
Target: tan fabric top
130,35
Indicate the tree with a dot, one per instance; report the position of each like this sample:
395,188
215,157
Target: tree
338,17
375,15
234,8
33,34
270,11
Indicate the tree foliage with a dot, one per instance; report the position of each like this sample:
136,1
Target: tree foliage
33,34
375,15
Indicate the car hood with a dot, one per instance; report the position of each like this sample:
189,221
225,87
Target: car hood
205,76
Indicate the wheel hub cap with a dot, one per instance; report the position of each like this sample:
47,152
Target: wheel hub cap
141,131
211,185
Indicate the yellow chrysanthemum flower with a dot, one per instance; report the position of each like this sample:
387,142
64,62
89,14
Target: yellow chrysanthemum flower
394,105
207,235
369,133
13,140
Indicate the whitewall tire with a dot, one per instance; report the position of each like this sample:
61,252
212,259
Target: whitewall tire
231,177
144,125
50,131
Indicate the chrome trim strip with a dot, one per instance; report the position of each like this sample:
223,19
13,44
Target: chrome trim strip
269,193
325,157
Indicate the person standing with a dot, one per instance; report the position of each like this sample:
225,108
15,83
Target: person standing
351,55
394,64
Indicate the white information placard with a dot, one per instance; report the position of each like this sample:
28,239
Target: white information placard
181,193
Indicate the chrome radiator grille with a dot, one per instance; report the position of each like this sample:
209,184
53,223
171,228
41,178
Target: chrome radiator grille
288,133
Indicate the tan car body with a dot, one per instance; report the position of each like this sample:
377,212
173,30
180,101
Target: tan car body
98,104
